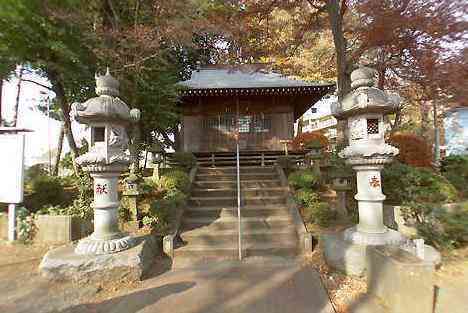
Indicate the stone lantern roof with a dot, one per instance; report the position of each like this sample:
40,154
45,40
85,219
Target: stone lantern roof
106,107
365,98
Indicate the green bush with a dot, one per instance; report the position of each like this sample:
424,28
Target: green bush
319,213
47,191
438,226
158,217
175,180
26,226
304,179
403,183
306,198
184,160
148,185
35,171
455,169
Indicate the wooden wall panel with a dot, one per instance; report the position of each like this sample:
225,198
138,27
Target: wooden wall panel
196,138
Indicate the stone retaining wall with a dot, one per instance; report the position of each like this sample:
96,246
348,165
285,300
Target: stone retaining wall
61,228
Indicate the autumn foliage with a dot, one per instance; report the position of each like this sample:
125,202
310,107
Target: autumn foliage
301,141
414,150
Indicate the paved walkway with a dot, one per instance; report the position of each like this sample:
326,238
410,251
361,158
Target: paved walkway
226,288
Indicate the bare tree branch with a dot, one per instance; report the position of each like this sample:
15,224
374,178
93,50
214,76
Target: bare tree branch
37,83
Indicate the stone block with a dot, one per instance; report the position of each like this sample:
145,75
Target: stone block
401,280
389,216
404,226
64,264
344,256
3,226
61,228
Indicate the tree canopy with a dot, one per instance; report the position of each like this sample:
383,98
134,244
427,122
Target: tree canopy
150,45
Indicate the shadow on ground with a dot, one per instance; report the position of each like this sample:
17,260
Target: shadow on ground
133,302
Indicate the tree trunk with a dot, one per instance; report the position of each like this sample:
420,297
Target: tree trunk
59,150
335,16
396,124
18,94
59,90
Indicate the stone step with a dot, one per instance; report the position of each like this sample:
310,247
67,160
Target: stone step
233,170
208,236
231,251
232,201
231,211
213,184
233,177
232,192
231,222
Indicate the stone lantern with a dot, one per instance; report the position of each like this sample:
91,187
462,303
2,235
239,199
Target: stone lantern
341,181
364,108
157,159
107,117
314,155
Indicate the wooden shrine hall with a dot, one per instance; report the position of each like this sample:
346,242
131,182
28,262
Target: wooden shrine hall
220,100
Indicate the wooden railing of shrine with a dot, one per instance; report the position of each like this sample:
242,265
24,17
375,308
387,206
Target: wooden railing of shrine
246,158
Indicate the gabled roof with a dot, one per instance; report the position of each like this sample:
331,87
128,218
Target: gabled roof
246,79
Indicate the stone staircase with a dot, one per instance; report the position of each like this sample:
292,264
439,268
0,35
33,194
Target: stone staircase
209,227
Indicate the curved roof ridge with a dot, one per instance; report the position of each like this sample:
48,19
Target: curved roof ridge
237,77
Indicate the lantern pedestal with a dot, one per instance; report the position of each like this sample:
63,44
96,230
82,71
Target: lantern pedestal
106,238
371,229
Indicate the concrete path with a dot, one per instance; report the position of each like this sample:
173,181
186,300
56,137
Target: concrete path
452,291
224,288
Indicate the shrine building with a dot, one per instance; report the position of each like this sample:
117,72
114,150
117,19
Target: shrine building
219,100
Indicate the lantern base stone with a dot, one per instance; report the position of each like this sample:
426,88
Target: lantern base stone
389,237
347,251
63,264
90,245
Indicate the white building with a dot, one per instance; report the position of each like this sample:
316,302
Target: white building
319,117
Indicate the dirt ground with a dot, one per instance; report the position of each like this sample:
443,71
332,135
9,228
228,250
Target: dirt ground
21,284
20,279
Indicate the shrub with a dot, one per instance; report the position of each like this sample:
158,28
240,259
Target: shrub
319,213
438,226
305,140
158,216
455,169
306,198
184,160
403,183
175,180
25,223
35,171
414,149
47,191
304,179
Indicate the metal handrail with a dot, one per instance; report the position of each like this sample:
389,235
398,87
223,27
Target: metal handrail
239,202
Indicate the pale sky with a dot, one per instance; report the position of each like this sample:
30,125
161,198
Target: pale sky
45,131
